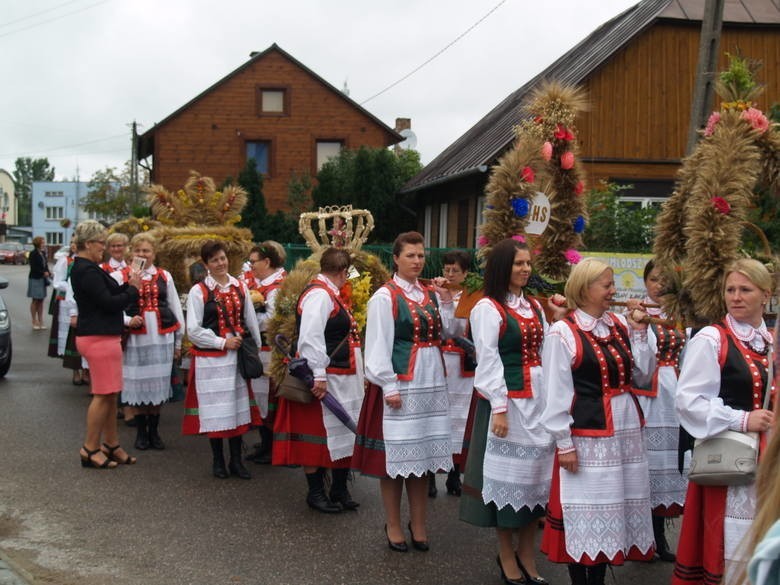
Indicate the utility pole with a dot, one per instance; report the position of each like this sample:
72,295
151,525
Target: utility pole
134,164
706,70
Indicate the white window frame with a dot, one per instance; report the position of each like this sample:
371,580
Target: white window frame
324,156
645,201
54,213
54,238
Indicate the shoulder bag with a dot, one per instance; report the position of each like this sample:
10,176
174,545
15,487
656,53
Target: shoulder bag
730,457
248,354
293,388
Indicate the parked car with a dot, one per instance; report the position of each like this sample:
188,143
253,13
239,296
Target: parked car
12,253
5,333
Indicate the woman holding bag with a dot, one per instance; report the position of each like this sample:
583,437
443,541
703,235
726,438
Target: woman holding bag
722,387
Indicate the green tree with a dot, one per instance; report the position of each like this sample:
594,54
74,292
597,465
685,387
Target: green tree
371,178
616,226
26,171
110,194
255,214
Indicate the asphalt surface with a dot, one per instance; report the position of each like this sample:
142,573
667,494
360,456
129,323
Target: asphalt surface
167,521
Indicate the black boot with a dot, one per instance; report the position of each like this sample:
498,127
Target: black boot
235,465
661,544
339,494
453,484
141,432
262,452
596,574
432,491
218,465
578,574
155,442
316,497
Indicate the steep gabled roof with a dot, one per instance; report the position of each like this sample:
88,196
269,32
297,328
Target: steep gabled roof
493,134
146,140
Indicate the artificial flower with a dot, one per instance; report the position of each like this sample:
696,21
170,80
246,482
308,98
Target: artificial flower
721,205
528,175
547,151
572,256
537,251
563,133
520,206
482,241
519,238
711,123
567,160
579,225
579,188
756,118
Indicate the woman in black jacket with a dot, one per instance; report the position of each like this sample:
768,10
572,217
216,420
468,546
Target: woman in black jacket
37,282
101,301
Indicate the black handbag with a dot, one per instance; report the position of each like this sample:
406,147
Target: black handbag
248,354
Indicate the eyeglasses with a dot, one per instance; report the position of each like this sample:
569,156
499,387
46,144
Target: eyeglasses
101,242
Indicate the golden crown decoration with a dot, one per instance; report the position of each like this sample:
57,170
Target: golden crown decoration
336,226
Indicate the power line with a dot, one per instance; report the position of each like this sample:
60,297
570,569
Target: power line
415,70
29,16
13,154
42,22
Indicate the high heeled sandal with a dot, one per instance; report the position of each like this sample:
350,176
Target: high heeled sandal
89,462
110,453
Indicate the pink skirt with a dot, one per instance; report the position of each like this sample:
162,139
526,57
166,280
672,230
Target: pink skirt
104,355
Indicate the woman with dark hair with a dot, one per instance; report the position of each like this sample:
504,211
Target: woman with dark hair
37,282
309,434
264,279
509,464
219,402
599,507
100,301
404,427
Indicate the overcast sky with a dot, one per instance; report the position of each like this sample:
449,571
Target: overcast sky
76,73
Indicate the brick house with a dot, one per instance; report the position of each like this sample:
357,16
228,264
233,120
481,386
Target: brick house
639,71
273,109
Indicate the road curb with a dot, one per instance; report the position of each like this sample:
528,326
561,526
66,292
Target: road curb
13,574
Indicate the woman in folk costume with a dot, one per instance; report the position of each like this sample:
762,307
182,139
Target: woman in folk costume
510,460
459,371
219,402
309,434
404,428
156,328
722,387
264,280
599,508
662,426
117,249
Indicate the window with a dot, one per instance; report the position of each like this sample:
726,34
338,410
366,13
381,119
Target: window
326,150
272,101
54,194
259,150
54,238
427,225
54,213
443,218
481,202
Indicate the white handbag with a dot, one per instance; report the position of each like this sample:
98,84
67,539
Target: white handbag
730,457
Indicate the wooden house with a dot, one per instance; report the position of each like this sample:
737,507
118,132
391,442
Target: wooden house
273,109
639,71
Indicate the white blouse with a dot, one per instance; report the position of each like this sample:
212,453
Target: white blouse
380,332
701,412
558,355
316,307
206,338
174,303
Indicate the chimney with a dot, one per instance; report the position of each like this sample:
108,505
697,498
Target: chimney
401,124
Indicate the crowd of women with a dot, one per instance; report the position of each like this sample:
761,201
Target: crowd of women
564,411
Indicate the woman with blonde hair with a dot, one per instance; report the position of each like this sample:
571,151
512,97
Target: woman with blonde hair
599,508
156,325
722,387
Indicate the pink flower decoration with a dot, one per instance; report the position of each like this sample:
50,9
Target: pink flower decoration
567,160
482,241
528,175
756,118
547,151
579,188
519,238
711,123
572,256
721,205
537,251
563,133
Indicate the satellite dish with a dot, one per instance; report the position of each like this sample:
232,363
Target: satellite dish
410,139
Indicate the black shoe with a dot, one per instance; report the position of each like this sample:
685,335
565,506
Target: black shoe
317,500
454,487
421,545
155,442
218,468
432,491
396,546
259,456
344,499
539,580
235,466
662,549
504,578
141,432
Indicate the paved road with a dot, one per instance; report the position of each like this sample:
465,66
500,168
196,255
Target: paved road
167,521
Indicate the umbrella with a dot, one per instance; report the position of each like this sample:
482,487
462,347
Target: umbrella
299,368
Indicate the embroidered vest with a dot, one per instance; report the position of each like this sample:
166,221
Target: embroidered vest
743,373
416,325
221,310
153,297
669,345
601,370
340,324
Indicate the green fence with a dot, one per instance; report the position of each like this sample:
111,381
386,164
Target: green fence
433,263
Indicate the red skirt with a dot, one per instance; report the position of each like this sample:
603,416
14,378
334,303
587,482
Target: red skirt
300,437
191,422
460,458
700,554
554,536
104,354
369,454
